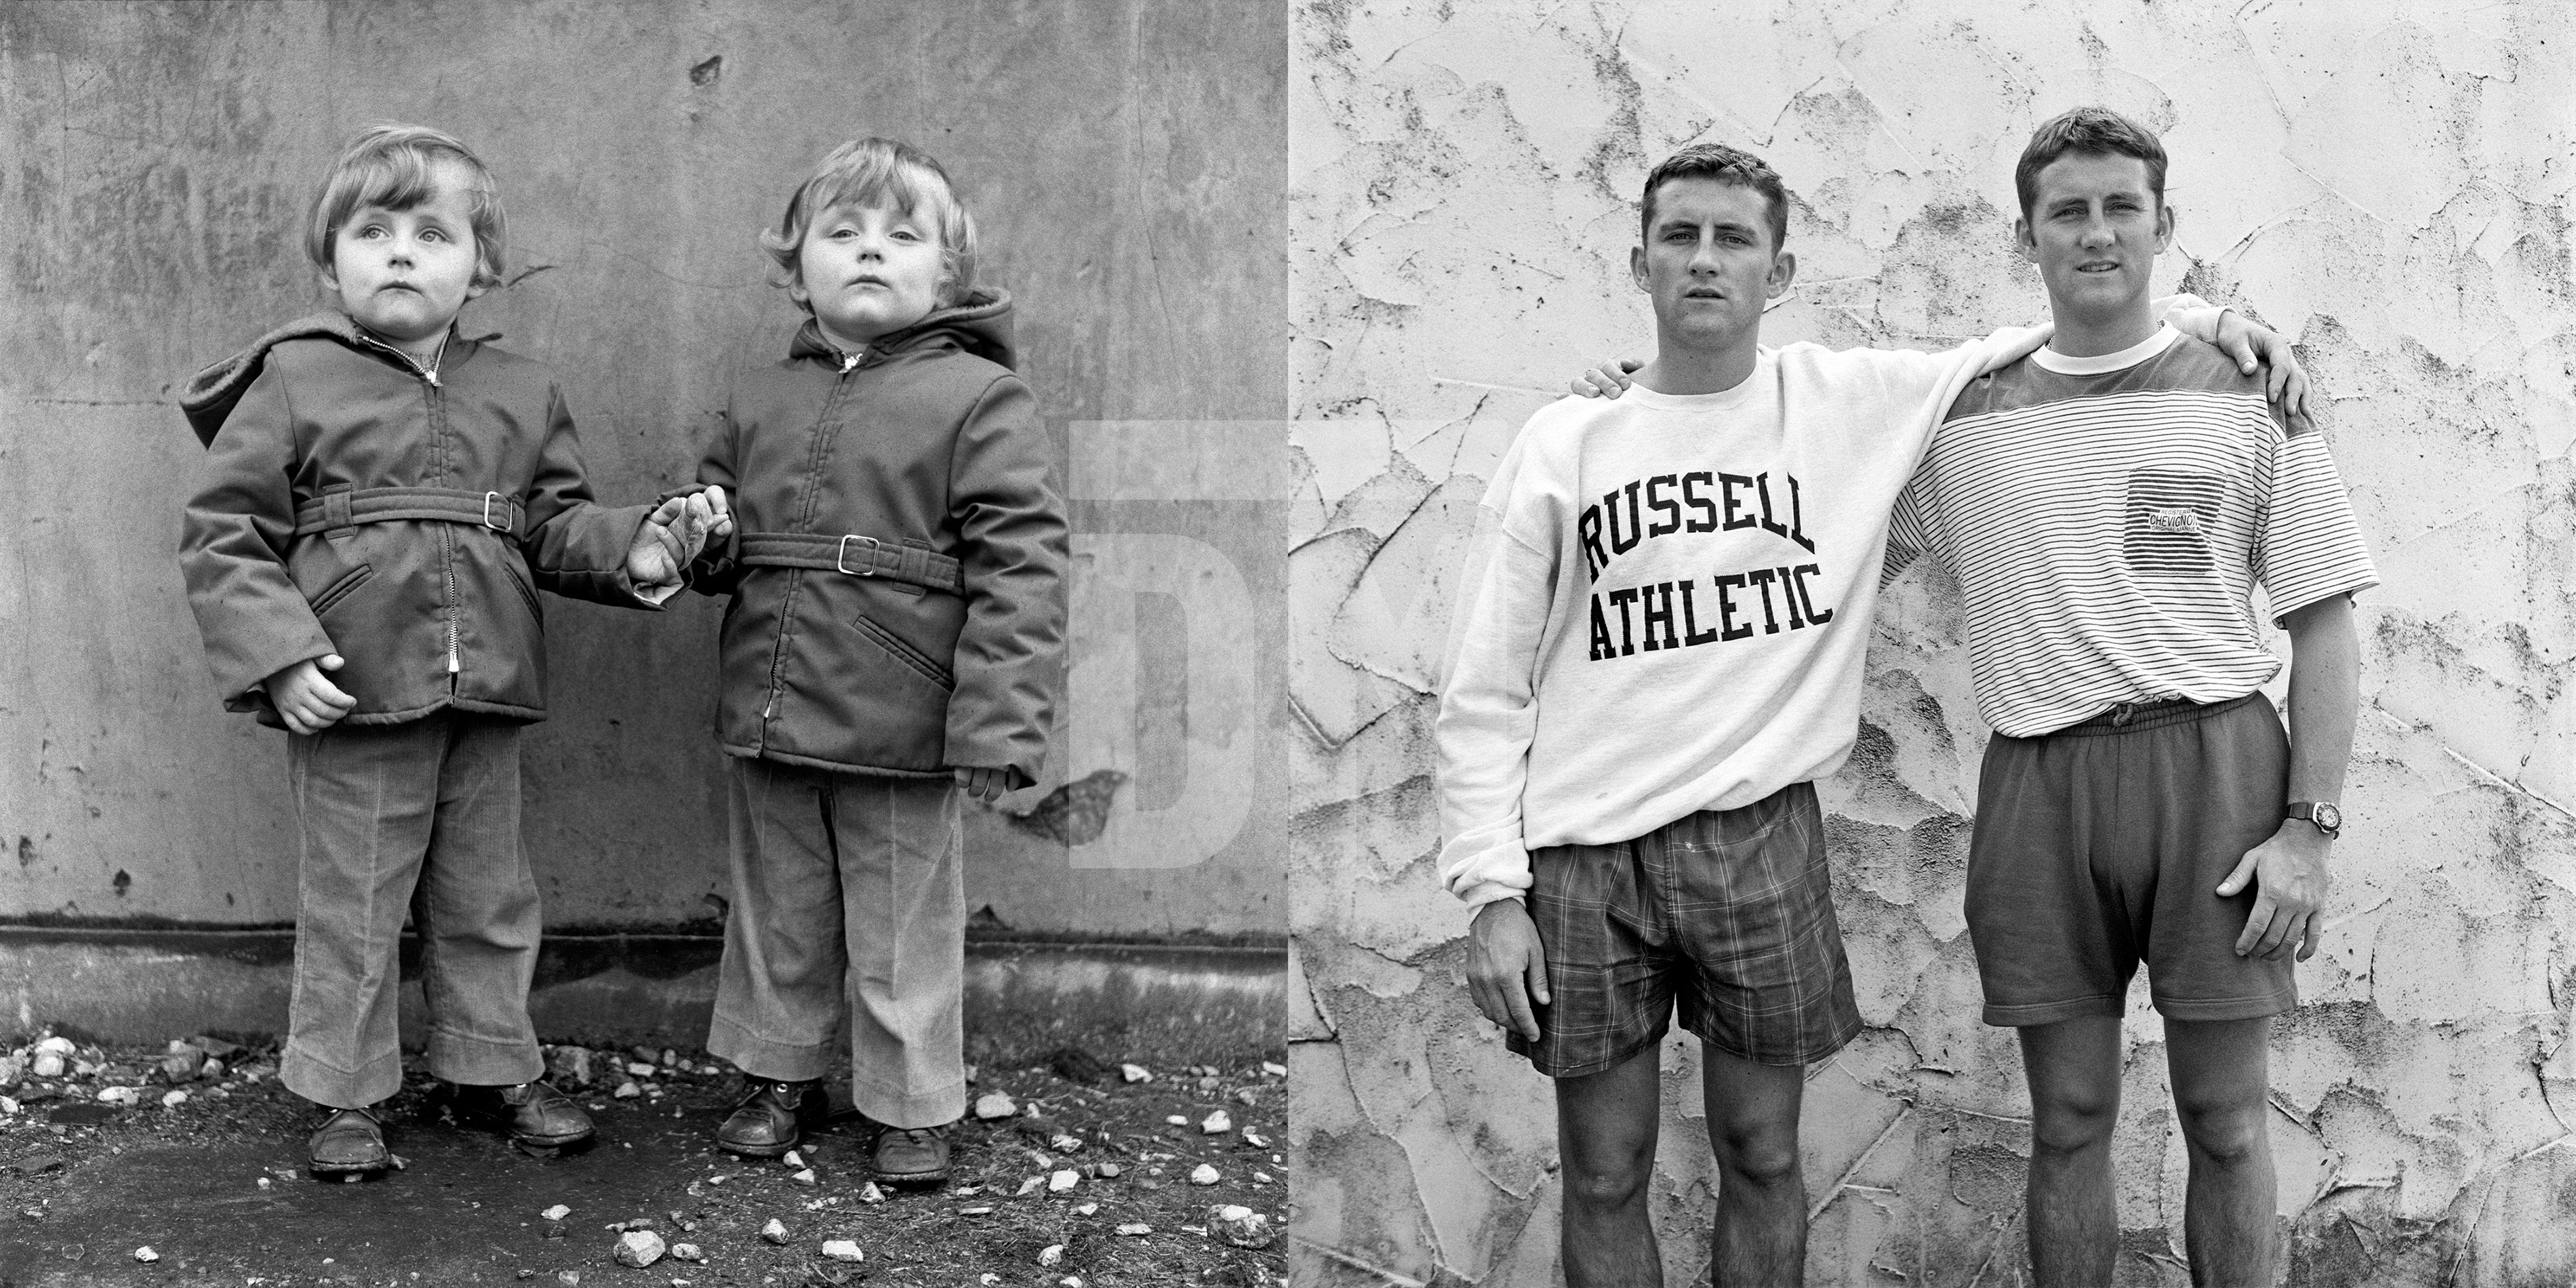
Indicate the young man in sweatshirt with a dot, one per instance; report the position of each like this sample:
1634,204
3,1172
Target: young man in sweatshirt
1658,648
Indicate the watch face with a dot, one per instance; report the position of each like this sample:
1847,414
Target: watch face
2329,818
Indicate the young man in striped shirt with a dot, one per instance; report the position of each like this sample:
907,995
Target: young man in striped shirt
2107,504
1709,545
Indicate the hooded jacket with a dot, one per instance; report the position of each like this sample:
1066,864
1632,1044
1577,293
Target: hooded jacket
356,503
875,655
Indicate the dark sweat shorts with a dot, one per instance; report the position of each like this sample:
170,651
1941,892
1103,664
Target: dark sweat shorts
1729,913
2099,846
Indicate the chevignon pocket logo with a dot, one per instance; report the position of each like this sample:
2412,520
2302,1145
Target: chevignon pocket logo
2172,516
2173,519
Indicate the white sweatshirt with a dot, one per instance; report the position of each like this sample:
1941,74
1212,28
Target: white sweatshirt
1667,601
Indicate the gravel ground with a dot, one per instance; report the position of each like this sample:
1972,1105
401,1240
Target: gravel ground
214,1185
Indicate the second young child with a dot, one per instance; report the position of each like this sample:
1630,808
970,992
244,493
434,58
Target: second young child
896,634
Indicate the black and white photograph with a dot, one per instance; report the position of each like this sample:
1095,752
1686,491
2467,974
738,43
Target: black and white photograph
1288,644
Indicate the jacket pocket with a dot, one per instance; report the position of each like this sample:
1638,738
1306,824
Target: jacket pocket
905,653
527,593
340,589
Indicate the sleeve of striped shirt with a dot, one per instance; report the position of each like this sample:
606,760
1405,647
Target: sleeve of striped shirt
2310,546
1908,535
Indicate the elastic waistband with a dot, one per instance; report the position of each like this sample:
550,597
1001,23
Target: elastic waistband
909,562
349,507
2137,717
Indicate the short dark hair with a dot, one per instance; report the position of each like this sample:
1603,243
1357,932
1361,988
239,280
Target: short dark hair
1726,165
2097,130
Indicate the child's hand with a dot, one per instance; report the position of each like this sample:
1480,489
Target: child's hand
986,785
304,699
674,533
661,547
719,517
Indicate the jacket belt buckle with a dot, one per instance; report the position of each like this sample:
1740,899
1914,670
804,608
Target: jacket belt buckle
841,555
488,499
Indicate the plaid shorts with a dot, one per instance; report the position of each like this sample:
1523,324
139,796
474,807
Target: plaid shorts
1729,912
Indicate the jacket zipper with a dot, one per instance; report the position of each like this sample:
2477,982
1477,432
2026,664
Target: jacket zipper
814,469
446,539
446,531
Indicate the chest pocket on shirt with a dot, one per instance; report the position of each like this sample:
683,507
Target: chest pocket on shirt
2171,516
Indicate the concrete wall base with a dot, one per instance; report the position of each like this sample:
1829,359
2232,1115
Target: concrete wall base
1155,1004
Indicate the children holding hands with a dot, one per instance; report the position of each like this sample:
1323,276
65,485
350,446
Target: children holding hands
382,501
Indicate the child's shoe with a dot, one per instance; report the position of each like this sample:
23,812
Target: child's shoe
350,1140
774,1117
534,1113
911,1155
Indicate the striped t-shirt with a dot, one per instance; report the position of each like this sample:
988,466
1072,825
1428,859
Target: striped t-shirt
2107,519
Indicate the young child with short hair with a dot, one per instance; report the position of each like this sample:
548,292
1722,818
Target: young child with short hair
896,632
383,498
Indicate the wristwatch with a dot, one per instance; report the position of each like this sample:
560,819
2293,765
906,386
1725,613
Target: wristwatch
2327,818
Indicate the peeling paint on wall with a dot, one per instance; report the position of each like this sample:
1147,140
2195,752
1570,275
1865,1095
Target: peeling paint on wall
2388,181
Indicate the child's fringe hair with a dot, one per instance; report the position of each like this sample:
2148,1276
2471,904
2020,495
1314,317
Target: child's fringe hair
395,167
878,172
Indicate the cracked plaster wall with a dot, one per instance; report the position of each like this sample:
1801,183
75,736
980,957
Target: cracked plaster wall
2387,181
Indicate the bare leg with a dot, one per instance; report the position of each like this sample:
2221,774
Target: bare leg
1605,1133
1762,1196
2074,1072
2220,1073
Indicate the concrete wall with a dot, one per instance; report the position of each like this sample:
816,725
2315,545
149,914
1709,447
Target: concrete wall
2385,180
1124,160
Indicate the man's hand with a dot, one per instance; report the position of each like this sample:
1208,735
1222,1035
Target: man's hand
1609,380
304,699
986,785
2290,881
1510,970
2287,382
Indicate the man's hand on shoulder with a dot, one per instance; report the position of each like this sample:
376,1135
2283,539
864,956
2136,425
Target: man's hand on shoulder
1609,380
2252,344
1509,973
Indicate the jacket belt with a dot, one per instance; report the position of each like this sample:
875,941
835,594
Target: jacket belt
856,555
332,511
